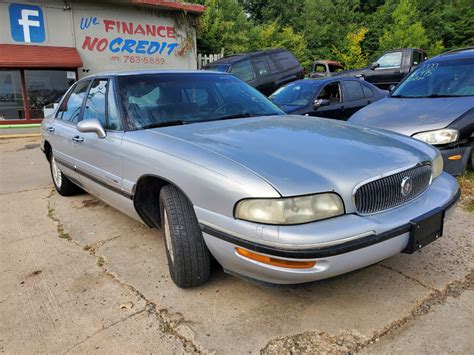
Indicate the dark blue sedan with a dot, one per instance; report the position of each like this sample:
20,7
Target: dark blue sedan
336,98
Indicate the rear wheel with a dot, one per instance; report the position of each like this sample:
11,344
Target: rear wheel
189,260
62,184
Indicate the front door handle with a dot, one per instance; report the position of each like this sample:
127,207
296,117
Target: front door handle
78,139
50,129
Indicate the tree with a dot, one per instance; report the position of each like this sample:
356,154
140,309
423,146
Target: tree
325,24
272,35
351,55
407,31
224,25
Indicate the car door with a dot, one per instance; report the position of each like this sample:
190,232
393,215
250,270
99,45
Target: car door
267,74
244,71
333,93
354,97
388,72
63,128
98,160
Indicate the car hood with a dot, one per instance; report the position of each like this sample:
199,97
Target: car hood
410,116
299,155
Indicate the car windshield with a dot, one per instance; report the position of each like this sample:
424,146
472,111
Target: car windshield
218,67
450,78
154,100
296,94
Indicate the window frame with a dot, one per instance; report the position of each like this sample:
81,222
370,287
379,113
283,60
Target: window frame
66,97
24,92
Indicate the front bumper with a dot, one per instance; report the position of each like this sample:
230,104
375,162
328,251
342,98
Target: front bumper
456,166
338,245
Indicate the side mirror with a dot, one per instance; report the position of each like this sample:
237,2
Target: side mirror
374,66
92,126
320,103
391,87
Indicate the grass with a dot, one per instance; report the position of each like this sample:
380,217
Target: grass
466,182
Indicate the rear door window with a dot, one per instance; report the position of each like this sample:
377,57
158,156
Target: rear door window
354,90
243,70
286,60
368,92
70,109
264,66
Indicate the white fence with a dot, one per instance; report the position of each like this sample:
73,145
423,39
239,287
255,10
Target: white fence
203,59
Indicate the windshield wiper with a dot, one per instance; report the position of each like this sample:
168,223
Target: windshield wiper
244,115
164,124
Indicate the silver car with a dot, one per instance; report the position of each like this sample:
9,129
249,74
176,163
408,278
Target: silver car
226,174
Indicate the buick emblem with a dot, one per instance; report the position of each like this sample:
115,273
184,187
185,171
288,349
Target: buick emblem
406,186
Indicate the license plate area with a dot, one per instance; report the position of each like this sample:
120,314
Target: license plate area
424,230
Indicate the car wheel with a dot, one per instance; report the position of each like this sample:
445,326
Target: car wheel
62,184
189,260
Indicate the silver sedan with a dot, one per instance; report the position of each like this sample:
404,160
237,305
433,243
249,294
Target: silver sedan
226,174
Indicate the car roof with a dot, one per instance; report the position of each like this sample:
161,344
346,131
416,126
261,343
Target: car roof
326,80
151,71
240,56
461,53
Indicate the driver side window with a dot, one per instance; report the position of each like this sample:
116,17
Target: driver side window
331,92
390,60
71,107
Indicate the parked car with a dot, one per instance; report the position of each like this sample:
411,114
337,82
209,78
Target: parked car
264,70
224,172
336,98
390,68
325,68
435,104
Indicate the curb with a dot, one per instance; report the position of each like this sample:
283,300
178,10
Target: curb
24,135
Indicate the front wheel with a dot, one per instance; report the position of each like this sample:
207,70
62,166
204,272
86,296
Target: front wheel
189,260
62,184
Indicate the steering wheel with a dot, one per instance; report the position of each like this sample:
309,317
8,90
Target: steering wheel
234,106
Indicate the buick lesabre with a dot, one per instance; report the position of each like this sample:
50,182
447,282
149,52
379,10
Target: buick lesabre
225,174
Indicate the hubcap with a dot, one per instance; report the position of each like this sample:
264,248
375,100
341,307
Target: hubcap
169,244
57,177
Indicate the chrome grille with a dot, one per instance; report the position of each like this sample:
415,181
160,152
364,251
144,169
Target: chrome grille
386,193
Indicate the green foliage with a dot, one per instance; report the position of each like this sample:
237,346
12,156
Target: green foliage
350,31
406,30
351,55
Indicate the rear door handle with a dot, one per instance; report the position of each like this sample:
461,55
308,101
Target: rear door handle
78,139
50,129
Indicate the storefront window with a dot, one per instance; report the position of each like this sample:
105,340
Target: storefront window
44,89
11,98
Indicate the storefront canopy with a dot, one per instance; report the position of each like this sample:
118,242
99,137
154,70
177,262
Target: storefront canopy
18,56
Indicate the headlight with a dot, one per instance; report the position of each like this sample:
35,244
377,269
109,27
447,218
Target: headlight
440,136
293,210
437,166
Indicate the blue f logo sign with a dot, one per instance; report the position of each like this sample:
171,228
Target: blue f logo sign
27,23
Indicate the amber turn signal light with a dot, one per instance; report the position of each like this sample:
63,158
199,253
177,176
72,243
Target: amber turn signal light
289,264
455,157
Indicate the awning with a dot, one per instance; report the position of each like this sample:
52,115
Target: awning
27,56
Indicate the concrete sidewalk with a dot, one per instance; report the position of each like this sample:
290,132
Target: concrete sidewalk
77,276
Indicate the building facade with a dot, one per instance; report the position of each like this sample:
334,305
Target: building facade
46,45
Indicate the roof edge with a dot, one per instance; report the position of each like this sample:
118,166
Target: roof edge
173,5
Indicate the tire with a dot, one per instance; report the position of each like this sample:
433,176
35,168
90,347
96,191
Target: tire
189,260
62,184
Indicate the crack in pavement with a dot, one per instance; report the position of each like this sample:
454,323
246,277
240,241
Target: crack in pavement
103,329
408,277
26,190
168,326
349,341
